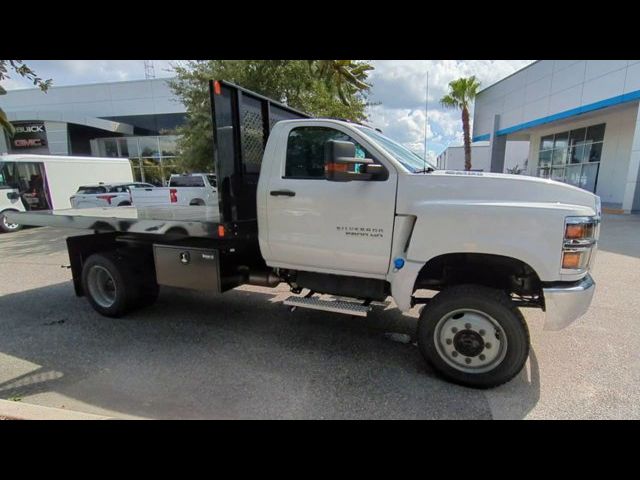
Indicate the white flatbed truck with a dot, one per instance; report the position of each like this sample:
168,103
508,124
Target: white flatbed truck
332,207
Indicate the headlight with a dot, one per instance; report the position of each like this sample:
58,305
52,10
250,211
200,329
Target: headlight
580,235
580,228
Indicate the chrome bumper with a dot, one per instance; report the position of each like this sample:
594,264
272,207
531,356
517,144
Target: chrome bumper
565,304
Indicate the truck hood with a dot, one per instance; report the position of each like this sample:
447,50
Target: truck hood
478,187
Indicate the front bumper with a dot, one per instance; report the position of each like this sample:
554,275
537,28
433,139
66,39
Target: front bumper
564,304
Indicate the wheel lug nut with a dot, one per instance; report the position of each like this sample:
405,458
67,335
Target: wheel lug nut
482,357
454,330
487,345
449,341
482,332
467,360
467,326
454,354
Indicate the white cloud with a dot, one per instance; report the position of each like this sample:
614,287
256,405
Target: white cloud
400,88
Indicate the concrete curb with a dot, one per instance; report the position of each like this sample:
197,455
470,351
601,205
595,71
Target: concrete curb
26,411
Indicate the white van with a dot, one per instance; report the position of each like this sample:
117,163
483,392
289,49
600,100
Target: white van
46,182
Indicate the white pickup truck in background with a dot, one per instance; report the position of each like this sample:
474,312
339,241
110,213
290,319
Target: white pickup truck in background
106,195
185,190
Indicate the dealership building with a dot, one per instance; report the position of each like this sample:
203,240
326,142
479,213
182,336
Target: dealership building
581,119
516,157
132,119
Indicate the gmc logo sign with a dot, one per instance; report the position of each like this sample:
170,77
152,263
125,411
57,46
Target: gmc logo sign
27,143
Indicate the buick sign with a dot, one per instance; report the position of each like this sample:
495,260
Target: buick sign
29,136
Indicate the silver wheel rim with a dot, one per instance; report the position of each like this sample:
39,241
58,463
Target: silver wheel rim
102,287
8,225
470,341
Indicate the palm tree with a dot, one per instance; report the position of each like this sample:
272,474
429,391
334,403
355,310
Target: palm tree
343,76
461,93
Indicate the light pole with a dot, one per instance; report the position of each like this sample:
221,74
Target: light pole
426,118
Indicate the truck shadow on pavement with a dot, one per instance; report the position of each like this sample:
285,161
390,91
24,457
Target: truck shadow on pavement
235,356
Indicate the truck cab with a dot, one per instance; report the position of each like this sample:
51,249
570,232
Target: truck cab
411,226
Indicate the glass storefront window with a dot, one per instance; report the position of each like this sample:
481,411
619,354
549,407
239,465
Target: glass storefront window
544,172
110,147
152,157
578,154
152,171
137,174
545,158
573,175
123,149
595,133
574,156
149,146
559,156
168,146
557,174
561,140
595,153
546,143
589,176
577,136
133,147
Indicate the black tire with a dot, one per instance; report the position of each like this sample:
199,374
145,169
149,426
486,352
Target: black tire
196,202
7,227
490,302
124,204
126,294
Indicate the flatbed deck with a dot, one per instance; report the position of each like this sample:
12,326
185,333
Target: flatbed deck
193,221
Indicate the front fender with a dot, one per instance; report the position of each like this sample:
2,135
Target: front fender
527,231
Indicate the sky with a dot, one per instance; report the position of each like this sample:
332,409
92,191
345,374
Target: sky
398,88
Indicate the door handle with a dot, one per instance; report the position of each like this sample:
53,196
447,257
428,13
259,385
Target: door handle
285,193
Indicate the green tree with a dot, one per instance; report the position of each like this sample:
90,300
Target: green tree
461,93
19,67
344,77
301,84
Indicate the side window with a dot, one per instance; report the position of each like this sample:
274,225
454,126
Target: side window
186,181
305,151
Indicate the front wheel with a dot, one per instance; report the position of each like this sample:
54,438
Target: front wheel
474,336
6,226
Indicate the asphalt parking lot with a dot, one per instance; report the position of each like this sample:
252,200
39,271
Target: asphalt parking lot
244,355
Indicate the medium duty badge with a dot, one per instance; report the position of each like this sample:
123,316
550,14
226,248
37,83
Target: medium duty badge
185,258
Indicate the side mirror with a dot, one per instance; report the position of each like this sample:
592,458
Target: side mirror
342,165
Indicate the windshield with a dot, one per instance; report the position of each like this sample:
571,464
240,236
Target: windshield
406,157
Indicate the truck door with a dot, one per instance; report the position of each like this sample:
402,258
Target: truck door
320,225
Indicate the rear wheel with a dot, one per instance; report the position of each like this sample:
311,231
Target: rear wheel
474,336
113,285
6,226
